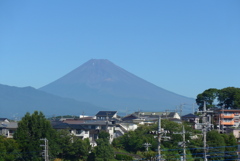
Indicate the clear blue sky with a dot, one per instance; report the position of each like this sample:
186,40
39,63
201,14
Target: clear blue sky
184,46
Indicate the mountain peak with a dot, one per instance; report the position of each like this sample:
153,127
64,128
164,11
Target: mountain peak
97,63
91,72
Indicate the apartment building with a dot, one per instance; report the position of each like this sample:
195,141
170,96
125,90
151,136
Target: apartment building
228,117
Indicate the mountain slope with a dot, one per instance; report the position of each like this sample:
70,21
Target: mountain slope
15,100
102,83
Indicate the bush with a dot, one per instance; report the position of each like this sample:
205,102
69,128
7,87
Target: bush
123,157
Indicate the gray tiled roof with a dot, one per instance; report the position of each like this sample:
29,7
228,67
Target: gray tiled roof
9,125
190,116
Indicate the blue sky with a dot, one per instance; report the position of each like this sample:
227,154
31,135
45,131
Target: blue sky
183,46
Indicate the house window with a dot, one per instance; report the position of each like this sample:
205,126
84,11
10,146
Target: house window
78,131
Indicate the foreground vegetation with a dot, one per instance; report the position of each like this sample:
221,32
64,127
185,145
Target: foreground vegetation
62,145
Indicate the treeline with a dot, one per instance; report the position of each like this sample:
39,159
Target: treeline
62,145
227,98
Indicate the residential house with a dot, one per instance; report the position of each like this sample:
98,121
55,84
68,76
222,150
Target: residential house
7,128
150,117
191,118
86,128
164,115
106,115
74,129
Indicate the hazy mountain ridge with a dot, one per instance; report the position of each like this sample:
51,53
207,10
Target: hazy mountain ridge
17,101
103,83
96,85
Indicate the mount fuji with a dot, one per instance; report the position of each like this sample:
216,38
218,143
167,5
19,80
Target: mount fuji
102,83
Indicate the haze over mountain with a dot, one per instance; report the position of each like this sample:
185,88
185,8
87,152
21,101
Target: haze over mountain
102,83
15,102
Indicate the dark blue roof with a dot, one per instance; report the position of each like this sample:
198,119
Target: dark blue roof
130,117
106,113
190,116
61,125
2,119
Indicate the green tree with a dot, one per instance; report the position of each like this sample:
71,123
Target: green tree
81,148
103,151
133,141
209,96
30,130
9,150
76,149
229,97
64,140
195,146
231,146
216,145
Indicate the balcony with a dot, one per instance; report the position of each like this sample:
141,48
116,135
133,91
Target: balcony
227,122
227,116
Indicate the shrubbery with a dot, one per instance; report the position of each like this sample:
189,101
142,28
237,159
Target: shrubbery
123,157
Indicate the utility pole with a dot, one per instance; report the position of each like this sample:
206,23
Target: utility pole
159,134
107,118
159,138
184,142
222,119
83,116
205,127
180,109
205,143
45,151
193,110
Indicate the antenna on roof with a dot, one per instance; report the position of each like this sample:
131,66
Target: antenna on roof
138,112
54,117
193,108
83,116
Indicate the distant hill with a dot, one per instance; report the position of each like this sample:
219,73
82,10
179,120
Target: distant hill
102,83
15,101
